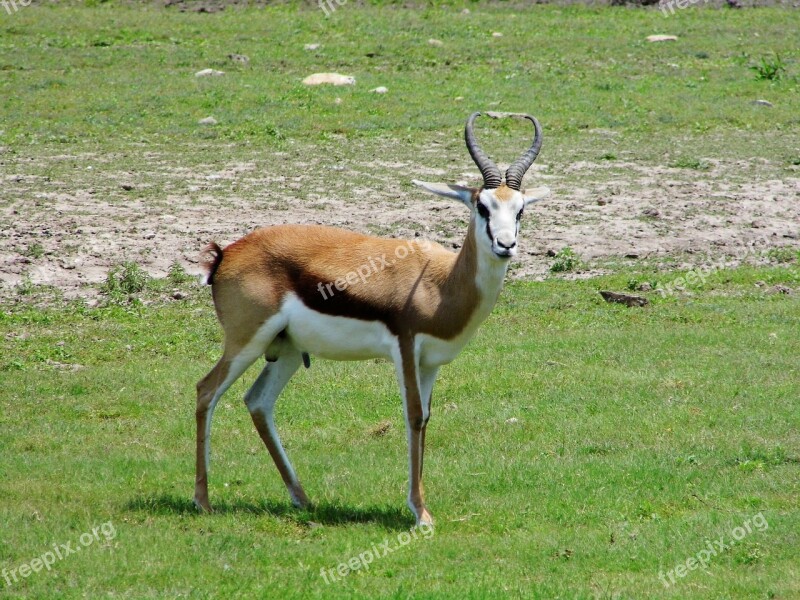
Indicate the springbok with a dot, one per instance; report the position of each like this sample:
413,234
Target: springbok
289,291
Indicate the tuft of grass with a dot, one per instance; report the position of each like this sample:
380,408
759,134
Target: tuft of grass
35,250
783,255
566,261
177,275
26,287
686,162
769,68
126,279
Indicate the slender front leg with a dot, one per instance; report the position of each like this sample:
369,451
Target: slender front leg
260,400
427,376
407,375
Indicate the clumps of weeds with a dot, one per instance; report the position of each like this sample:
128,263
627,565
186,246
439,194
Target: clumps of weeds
686,162
177,275
125,281
26,286
769,68
566,261
35,250
783,255
641,285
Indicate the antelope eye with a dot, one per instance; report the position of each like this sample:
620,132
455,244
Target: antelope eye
483,211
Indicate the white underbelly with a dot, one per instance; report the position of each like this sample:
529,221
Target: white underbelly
434,352
336,338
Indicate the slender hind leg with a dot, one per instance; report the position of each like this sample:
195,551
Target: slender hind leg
235,361
260,400
209,390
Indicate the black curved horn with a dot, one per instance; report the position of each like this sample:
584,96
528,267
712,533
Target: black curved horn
491,174
517,170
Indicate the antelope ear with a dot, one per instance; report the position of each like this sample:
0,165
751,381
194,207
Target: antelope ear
456,192
536,194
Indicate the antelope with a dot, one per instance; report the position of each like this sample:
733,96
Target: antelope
273,297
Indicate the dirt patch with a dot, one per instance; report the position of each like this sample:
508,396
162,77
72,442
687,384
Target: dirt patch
69,228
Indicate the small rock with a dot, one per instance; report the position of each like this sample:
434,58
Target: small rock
337,101
458,98
497,34
780,289
758,224
127,187
602,201
650,212
662,38
792,235
625,299
179,296
209,73
207,121
149,235
512,420
632,255
465,11
239,58
494,114
379,90
329,78
760,283
644,287
311,46
435,42
766,103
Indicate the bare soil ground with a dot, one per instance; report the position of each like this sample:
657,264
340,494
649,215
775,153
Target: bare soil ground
72,218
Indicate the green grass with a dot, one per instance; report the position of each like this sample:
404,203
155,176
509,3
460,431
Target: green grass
576,449
639,435
72,75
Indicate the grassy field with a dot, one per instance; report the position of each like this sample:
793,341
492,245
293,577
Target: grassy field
577,449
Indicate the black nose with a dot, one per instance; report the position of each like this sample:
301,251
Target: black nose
502,245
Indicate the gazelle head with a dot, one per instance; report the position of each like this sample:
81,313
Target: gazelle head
497,206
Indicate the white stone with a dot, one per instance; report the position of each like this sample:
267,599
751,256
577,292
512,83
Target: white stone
209,73
329,78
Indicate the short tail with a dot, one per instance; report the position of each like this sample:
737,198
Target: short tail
210,260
